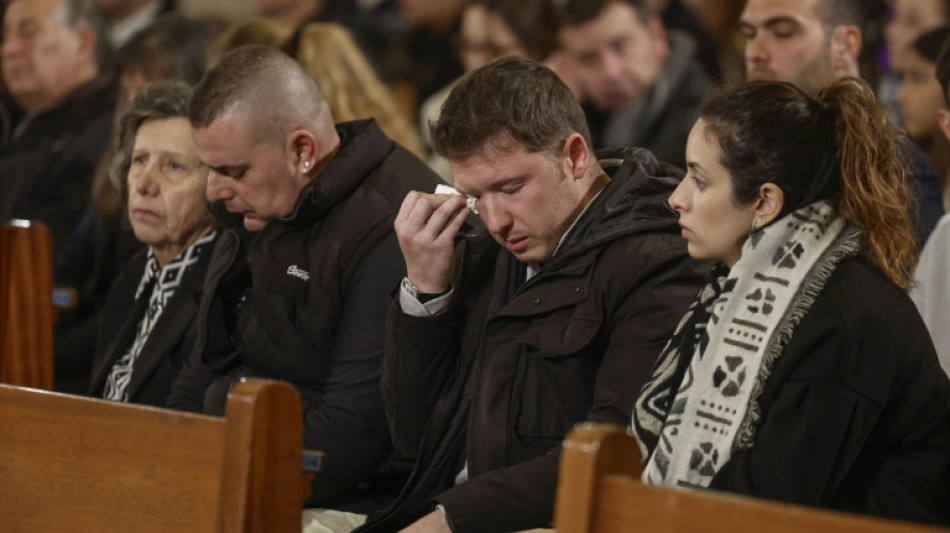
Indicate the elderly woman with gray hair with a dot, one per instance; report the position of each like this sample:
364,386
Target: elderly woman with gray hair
148,323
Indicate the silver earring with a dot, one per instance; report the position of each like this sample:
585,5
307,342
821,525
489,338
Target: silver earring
306,165
755,225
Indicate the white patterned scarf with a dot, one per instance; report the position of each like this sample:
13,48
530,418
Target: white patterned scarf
160,283
702,402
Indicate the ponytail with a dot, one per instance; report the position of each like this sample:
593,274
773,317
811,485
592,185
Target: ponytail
874,179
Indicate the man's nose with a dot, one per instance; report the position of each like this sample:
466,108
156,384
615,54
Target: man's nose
612,66
215,188
10,46
496,219
755,51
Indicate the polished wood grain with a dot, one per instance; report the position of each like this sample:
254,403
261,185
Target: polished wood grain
599,491
86,465
26,306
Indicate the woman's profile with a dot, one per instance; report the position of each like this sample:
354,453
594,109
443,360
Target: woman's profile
802,373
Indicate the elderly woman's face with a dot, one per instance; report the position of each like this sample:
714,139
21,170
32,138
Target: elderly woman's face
167,205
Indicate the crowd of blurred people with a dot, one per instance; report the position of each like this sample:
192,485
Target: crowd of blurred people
232,198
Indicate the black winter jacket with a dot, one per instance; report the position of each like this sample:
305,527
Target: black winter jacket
856,411
304,301
46,172
496,382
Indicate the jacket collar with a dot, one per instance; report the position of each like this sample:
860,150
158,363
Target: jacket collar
363,146
90,99
633,201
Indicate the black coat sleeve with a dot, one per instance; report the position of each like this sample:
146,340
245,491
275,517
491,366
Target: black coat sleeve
188,389
420,363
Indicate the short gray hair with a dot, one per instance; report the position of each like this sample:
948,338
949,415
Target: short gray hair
159,100
268,87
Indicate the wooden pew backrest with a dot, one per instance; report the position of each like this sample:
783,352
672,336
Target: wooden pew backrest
78,464
599,491
26,306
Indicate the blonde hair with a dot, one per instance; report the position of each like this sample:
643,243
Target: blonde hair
331,57
875,191
272,32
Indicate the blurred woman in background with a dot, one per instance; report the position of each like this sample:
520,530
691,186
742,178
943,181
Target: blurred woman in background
921,98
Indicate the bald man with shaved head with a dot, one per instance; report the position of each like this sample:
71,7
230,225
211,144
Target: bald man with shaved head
298,284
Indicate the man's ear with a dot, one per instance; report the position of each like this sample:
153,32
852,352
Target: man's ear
943,118
577,154
303,152
768,204
845,49
658,32
86,41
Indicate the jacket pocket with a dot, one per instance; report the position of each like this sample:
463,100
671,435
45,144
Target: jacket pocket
555,377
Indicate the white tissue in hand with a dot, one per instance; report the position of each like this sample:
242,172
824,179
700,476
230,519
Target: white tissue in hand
470,201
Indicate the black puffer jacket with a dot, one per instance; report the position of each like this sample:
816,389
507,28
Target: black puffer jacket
314,314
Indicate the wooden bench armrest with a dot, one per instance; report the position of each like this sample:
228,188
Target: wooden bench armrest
26,307
266,416
89,465
590,452
599,490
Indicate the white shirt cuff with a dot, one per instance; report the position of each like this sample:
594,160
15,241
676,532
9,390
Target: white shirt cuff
412,307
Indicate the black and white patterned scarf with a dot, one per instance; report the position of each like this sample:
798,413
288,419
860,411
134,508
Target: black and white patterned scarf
160,285
702,402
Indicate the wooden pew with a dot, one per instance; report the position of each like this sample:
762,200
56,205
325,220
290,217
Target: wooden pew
86,465
26,307
599,491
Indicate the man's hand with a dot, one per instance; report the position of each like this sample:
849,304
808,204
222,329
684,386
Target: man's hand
426,227
433,522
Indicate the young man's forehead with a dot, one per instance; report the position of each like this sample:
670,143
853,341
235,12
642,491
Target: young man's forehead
765,11
488,170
